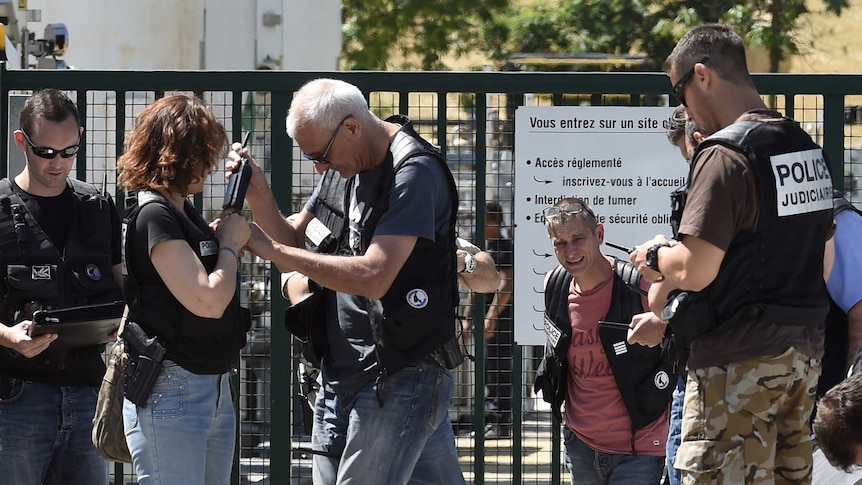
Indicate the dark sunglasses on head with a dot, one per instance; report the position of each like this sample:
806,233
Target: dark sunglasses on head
678,89
48,152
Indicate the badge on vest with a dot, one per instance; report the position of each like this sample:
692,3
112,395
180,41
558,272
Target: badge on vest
552,332
208,248
661,380
40,272
317,232
93,272
417,298
802,182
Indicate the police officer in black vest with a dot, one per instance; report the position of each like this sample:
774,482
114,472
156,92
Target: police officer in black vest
59,247
390,291
752,304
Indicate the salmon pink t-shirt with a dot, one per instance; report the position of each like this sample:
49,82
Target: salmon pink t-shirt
594,407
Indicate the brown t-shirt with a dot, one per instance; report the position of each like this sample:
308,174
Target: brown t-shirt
723,201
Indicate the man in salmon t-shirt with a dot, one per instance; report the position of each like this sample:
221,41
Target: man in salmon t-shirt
616,394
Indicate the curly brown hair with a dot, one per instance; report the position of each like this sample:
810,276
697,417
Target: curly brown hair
176,140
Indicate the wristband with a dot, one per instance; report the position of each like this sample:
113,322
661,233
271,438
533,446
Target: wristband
230,250
235,258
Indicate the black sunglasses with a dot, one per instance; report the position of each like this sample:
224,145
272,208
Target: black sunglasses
48,152
322,158
678,89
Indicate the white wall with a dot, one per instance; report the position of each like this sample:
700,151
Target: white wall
195,34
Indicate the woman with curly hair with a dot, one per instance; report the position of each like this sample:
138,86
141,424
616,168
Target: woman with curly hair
180,283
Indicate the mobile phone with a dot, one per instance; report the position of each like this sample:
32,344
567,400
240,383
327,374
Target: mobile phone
615,325
237,183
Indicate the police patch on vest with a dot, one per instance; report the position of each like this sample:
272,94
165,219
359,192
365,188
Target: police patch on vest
93,272
802,182
208,248
552,332
417,298
661,380
40,272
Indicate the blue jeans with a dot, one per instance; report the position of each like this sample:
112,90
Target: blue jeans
674,432
590,467
45,436
408,440
187,433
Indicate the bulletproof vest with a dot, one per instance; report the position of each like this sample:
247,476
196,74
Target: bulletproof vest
762,276
200,345
837,338
643,378
415,316
420,307
326,233
37,276
678,199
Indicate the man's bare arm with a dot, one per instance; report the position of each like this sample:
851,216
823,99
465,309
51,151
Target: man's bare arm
370,274
484,278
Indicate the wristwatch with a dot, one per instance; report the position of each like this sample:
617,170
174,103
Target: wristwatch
652,256
469,263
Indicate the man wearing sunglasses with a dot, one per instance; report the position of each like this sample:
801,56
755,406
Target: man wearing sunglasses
386,260
753,303
59,247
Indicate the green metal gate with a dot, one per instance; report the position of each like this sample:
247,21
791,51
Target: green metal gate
470,116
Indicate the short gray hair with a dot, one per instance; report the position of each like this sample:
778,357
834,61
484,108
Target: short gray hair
325,102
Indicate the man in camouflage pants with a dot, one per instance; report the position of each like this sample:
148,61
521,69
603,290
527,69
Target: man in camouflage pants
750,256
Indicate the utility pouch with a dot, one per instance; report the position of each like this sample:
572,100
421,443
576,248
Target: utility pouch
144,365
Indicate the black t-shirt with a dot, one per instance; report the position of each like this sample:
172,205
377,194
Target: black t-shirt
156,223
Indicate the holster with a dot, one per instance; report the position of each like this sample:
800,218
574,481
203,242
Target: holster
449,354
144,365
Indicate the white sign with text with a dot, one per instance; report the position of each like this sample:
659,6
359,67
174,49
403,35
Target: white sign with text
618,159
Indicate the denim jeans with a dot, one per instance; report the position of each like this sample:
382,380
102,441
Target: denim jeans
45,436
590,467
674,432
186,435
408,440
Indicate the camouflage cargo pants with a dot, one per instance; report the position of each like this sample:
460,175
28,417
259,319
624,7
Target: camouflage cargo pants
748,422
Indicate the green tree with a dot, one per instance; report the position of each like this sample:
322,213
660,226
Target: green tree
650,27
410,34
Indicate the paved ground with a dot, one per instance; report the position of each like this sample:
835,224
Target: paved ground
497,469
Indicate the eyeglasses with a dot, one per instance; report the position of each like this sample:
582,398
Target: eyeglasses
568,210
322,158
678,89
48,152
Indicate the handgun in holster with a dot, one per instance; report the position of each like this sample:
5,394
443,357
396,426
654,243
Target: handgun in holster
144,365
449,354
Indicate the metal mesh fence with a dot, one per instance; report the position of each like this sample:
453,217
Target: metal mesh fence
504,432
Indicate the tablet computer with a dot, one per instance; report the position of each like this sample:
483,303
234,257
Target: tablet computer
78,326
